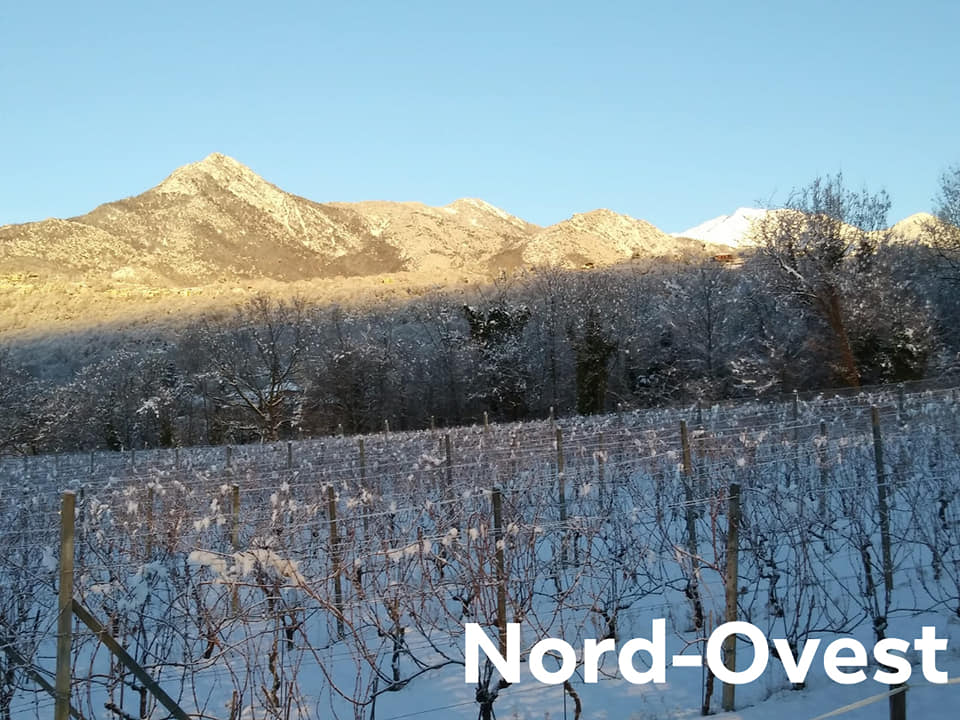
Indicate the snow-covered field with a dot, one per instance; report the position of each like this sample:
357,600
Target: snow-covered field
329,579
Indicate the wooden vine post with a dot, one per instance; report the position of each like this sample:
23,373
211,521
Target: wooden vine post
335,557
897,702
448,461
235,540
500,569
149,523
732,591
824,475
882,505
361,446
65,607
562,497
601,475
693,590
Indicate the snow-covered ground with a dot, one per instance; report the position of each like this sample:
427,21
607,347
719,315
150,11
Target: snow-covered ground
335,583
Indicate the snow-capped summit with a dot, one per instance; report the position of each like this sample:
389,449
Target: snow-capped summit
729,230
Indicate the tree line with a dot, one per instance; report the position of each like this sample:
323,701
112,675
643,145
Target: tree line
827,297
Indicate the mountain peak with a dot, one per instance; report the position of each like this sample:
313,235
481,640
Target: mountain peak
216,168
214,162
481,213
914,228
601,236
597,213
732,230
219,161
604,214
478,204
218,157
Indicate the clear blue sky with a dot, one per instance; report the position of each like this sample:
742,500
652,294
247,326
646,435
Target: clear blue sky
670,111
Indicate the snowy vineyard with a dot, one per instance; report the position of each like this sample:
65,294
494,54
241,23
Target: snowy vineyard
332,578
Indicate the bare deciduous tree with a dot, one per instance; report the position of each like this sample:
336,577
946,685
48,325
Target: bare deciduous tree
944,232
17,395
818,245
257,361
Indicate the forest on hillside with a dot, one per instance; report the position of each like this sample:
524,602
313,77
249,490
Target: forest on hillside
826,299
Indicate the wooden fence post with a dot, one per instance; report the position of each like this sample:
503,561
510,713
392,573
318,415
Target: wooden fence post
732,591
289,455
65,606
486,422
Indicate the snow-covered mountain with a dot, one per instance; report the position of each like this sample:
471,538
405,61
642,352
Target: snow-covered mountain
729,230
734,230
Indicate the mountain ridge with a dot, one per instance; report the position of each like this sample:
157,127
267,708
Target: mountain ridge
213,231
733,231
217,219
